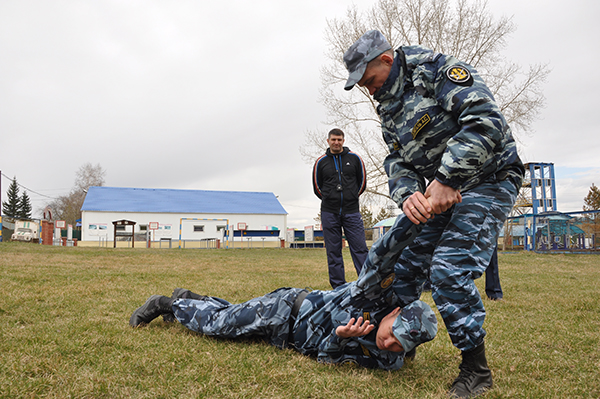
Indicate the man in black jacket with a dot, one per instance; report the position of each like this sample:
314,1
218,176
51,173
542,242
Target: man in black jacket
339,178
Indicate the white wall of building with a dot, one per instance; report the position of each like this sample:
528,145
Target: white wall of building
97,226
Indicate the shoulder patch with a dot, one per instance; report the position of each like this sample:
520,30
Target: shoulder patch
459,75
388,281
425,119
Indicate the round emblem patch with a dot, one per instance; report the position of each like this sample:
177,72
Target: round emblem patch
459,75
388,281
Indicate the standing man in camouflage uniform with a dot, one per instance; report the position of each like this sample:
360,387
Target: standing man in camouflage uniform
357,323
339,178
452,155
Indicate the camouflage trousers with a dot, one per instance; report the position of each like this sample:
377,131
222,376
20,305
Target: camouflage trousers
266,317
452,250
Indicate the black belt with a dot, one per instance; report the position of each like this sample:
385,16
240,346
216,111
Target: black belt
294,313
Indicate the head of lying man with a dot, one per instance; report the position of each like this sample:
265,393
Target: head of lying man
405,328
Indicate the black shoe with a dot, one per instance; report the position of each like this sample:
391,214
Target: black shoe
183,294
410,355
475,377
154,307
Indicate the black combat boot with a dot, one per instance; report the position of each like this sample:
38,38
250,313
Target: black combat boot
154,307
183,294
475,377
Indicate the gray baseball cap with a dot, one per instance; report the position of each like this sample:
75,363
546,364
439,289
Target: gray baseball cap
367,48
415,325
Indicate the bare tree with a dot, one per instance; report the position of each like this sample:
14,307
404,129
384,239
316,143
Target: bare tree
89,175
462,28
592,201
68,207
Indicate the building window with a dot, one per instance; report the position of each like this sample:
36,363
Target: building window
143,227
198,228
120,227
221,228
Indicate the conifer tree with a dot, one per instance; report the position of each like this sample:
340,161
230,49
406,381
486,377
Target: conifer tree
367,217
11,206
25,206
384,213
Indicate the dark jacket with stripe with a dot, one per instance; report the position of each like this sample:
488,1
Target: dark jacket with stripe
338,180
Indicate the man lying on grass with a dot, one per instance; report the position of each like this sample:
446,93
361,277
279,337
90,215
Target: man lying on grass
357,322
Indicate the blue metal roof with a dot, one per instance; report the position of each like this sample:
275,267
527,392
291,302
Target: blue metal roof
120,199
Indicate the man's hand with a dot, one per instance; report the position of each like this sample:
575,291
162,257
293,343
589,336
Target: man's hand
417,208
442,197
353,329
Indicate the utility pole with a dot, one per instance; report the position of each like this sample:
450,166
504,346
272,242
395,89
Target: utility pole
0,206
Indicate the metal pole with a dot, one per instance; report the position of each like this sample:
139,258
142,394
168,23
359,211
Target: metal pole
0,206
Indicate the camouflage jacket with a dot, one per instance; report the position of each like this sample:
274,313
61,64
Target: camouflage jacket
371,296
440,121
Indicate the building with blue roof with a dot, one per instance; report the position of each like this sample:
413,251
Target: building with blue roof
179,214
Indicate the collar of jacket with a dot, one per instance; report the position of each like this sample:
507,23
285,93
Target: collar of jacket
345,150
394,84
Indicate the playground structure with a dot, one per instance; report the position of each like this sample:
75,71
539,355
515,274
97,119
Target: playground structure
553,231
535,224
538,192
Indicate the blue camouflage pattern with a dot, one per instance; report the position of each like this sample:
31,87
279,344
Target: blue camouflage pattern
414,325
368,47
265,317
443,128
453,249
371,296
440,121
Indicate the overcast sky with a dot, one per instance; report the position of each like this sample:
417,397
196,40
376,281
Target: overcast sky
218,95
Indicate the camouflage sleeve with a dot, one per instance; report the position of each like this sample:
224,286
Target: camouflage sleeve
470,152
377,274
335,350
403,180
332,347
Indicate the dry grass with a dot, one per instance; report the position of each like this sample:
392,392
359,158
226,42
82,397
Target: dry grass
64,329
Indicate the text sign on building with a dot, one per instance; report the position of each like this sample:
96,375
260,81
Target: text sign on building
309,233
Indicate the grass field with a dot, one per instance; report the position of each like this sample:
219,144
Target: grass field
64,329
